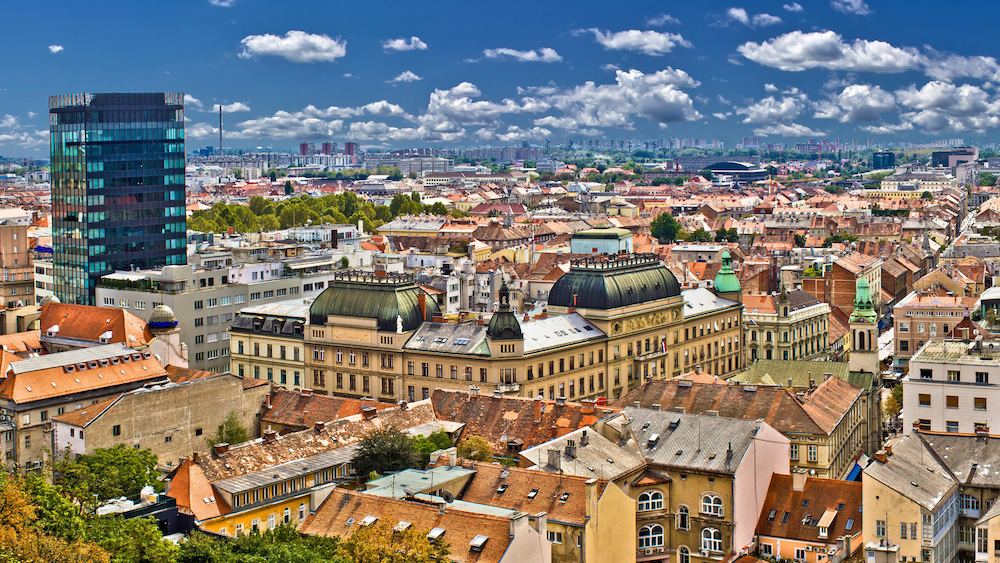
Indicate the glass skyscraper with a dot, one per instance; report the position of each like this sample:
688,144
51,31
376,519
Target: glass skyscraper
117,173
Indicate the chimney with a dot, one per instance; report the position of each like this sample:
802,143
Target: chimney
571,449
656,406
587,406
537,403
888,450
584,439
812,383
555,458
270,435
452,456
369,412
422,302
636,404
220,449
561,401
553,431
626,429
798,480
194,457
541,521
320,426
882,456
789,382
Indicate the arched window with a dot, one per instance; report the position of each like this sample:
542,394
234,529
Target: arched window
652,536
650,500
684,555
711,504
711,540
683,517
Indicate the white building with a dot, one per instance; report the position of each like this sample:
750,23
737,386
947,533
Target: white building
952,385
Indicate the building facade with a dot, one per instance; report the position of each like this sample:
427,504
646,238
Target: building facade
789,326
118,193
920,317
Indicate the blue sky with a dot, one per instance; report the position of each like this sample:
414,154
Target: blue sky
448,73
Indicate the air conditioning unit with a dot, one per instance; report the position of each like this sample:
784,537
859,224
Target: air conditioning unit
962,513
649,551
659,550
704,553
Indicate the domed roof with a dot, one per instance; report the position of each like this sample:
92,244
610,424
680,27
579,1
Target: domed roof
726,280
48,299
504,324
617,282
162,318
364,295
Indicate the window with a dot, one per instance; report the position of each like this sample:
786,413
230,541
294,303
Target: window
880,528
966,534
924,399
766,549
302,512
683,518
951,401
793,453
116,430
904,345
199,321
288,515
982,541
555,537
711,504
979,403
812,452
951,426
902,530
967,502
800,555
954,375
924,424
711,540
684,555
926,374
651,536
982,377
651,500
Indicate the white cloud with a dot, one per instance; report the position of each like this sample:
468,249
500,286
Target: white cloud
759,20
794,7
662,19
55,49
799,50
788,130
768,87
657,97
887,129
857,102
773,110
412,44
512,135
26,139
231,108
222,3
949,67
200,130
296,46
648,42
964,100
31,115
348,75
8,121
609,66
722,116
406,76
856,7
543,55
191,102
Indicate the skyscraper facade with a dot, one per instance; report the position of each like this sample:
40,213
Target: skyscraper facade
117,174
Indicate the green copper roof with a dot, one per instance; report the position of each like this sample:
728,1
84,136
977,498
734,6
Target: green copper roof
778,372
726,280
504,325
595,283
864,306
366,296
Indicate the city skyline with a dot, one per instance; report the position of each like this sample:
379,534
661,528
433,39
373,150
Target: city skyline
447,76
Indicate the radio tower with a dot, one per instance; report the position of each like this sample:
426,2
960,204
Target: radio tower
221,150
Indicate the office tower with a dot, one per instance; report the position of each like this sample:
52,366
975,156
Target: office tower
303,149
117,173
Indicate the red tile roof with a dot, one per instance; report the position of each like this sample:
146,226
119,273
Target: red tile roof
822,495
297,409
86,322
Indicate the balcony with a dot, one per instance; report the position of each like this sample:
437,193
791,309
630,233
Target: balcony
508,387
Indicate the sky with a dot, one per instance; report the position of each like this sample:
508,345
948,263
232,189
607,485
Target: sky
446,73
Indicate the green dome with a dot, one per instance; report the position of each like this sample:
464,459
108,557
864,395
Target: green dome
594,283
364,295
504,325
726,280
864,305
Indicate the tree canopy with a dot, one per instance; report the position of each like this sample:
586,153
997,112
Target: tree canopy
665,228
385,450
108,473
475,448
231,431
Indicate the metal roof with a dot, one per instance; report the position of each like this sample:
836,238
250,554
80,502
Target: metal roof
81,356
287,470
450,338
562,330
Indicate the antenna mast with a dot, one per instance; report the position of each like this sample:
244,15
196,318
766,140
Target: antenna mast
221,150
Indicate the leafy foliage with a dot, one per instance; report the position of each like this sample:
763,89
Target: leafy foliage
800,240
834,239
385,450
136,540
665,228
475,448
231,431
283,544
427,445
987,179
700,235
108,473
379,543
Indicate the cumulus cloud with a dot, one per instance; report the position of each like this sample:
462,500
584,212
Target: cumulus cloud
940,107
856,7
794,7
231,108
55,49
758,20
948,67
722,116
768,87
799,50
406,76
774,110
296,46
609,66
200,130
512,135
658,97
191,102
8,121
543,55
788,130
662,19
222,3
648,42
31,114
412,44
857,102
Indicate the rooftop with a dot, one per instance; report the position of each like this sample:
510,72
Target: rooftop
952,352
798,514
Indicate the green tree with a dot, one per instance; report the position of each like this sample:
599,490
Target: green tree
437,209
427,445
268,223
231,431
707,174
108,473
257,205
897,394
385,450
475,448
344,263
891,407
836,238
987,179
665,228
238,173
135,540
927,195
289,188
55,513
379,543
274,176
283,543
700,235
800,240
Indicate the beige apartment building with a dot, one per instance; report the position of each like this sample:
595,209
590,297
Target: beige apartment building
920,317
792,325
610,325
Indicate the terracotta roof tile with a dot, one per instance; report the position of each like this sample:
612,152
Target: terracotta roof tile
21,343
289,408
822,495
56,382
85,322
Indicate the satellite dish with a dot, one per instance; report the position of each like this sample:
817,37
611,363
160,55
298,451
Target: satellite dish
448,497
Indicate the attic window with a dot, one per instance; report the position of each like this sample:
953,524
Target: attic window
563,497
501,489
81,367
840,506
849,525
784,517
368,520
104,363
504,474
805,503
533,493
440,340
350,521
479,542
69,369
115,361
771,515
420,338
588,328
462,341
435,534
403,525
92,365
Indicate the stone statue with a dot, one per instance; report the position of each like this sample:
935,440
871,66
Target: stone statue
399,324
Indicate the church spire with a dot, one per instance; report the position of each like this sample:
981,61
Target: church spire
864,305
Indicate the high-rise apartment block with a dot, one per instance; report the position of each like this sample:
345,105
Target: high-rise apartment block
118,202
352,149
